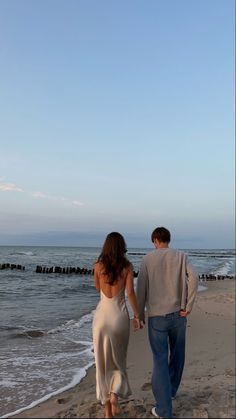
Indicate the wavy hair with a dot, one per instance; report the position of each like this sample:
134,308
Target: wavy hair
113,256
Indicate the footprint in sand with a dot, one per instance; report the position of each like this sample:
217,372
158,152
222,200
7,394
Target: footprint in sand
146,386
135,409
200,413
94,408
62,400
230,372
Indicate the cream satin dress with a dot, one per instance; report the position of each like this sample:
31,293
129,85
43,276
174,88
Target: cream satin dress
110,338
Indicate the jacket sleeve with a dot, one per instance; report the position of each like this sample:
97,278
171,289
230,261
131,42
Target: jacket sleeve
192,285
142,290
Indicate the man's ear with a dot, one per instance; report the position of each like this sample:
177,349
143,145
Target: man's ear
155,242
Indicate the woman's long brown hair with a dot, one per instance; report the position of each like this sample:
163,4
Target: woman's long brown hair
113,256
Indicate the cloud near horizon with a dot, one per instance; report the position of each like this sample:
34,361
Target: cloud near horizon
4,187
38,194
10,187
78,203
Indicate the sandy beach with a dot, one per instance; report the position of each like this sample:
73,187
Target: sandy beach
208,385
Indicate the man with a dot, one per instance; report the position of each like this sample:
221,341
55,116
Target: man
167,286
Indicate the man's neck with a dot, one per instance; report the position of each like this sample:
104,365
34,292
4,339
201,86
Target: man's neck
161,245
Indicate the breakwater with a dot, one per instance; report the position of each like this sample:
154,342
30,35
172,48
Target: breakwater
11,266
63,270
69,270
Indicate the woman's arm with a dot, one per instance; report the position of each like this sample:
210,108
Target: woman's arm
96,277
130,291
142,289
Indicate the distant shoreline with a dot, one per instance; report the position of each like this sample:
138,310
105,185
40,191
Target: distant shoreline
131,247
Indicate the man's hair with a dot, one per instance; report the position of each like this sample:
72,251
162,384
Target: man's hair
161,234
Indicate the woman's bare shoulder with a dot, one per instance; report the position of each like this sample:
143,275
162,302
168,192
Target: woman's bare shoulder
98,266
129,268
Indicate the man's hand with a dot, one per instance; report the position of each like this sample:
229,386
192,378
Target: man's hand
183,313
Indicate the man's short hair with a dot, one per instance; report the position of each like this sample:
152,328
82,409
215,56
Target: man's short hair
161,234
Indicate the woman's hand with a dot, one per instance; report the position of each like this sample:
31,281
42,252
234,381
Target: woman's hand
136,324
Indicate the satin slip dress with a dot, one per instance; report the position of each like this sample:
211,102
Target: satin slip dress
111,326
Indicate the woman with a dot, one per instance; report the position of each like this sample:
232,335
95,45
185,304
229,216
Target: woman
113,274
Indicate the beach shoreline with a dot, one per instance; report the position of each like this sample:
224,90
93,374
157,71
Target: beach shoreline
208,384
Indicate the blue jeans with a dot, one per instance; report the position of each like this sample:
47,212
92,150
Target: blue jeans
167,340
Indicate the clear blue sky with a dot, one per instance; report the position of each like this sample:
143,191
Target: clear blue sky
117,115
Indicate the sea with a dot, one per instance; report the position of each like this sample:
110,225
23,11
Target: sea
46,319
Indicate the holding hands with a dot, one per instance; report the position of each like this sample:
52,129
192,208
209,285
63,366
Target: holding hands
137,323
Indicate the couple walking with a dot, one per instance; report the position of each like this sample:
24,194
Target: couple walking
166,286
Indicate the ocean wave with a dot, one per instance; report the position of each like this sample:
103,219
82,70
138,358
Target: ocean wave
225,269
22,254
8,383
16,332
70,290
72,324
52,359
12,328
31,333
210,256
80,374
81,342
10,332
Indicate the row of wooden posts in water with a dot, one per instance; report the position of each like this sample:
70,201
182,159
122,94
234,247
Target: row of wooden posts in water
84,271
11,266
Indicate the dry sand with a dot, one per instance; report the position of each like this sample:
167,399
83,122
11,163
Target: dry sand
208,386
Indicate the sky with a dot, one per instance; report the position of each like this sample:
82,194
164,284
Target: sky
117,116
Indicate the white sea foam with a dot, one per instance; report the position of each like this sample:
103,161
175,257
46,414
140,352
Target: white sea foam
81,342
62,356
8,383
201,288
21,361
85,355
22,254
76,380
226,268
71,324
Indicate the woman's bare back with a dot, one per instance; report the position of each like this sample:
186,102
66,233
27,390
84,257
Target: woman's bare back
102,280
